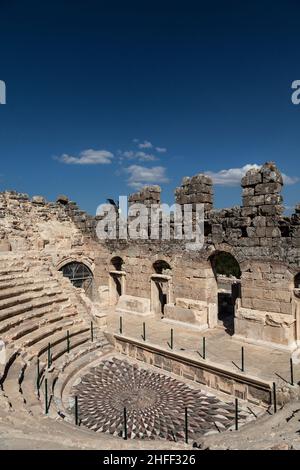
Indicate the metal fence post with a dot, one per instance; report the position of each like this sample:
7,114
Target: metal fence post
172,339
46,396
68,341
236,414
203,348
49,355
274,398
121,325
292,371
144,331
38,376
76,411
92,331
186,426
125,424
243,360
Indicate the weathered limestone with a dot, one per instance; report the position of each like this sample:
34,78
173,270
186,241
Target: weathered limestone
148,195
190,311
131,304
261,191
195,190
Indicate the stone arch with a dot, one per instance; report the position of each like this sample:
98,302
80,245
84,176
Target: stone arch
227,273
161,266
225,263
117,263
78,259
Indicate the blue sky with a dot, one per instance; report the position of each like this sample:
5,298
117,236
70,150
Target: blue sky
105,96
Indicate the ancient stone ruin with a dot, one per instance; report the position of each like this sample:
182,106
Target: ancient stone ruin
75,310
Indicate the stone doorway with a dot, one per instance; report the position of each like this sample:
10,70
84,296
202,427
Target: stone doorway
296,302
227,274
116,286
117,277
160,287
160,293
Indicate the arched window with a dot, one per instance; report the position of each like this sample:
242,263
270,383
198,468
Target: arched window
79,274
297,281
117,262
161,267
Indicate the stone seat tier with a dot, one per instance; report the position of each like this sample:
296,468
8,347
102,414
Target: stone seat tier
29,383
21,379
37,313
12,270
22,275
37,346
11,385
8,293
11,302
32,304
48,332
25,279
40,347
30,325
69,367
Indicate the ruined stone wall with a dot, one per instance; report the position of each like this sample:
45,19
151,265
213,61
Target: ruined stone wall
264,242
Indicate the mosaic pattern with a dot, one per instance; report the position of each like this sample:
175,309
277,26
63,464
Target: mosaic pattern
155,403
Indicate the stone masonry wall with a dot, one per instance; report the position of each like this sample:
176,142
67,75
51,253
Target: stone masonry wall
264,241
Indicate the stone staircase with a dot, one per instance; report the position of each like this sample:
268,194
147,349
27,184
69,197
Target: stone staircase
45,325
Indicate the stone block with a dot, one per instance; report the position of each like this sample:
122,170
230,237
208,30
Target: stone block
252,178
268,188
266,305
133,304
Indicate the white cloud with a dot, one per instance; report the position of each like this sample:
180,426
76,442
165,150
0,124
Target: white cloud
141,156
160,149
145,157
128,154
145,145
289,180
87,157
233,176
140,175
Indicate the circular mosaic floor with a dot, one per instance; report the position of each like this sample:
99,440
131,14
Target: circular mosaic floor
155,403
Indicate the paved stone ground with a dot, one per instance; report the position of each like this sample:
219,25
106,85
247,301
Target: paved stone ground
155,403
262,362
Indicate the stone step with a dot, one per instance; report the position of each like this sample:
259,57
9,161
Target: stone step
28,326
37,313
29,390
59,353
30,305
49,332
11,384
13,281
18,263
27,297
71,368
24,289
11,270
